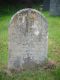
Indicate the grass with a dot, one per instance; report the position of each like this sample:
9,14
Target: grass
54,37
53,47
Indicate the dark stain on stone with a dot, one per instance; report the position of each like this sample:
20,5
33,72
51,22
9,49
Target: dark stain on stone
17,63
28,63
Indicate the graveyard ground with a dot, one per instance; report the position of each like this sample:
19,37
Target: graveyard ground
53,48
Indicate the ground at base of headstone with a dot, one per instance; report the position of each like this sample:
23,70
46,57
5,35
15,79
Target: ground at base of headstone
49,65
42,73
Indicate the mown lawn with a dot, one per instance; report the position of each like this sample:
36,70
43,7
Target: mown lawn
53,47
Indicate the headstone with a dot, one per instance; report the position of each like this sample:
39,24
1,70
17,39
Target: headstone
27,39
55,7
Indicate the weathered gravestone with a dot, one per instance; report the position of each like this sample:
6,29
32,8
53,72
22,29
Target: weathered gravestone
27,39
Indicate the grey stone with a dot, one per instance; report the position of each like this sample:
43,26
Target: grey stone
55,7
28,39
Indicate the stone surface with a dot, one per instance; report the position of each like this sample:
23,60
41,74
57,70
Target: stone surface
27,39
55,7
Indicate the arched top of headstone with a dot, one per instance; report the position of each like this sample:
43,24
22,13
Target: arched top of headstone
29,11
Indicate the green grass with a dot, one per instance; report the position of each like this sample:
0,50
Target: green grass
54,37
53,47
